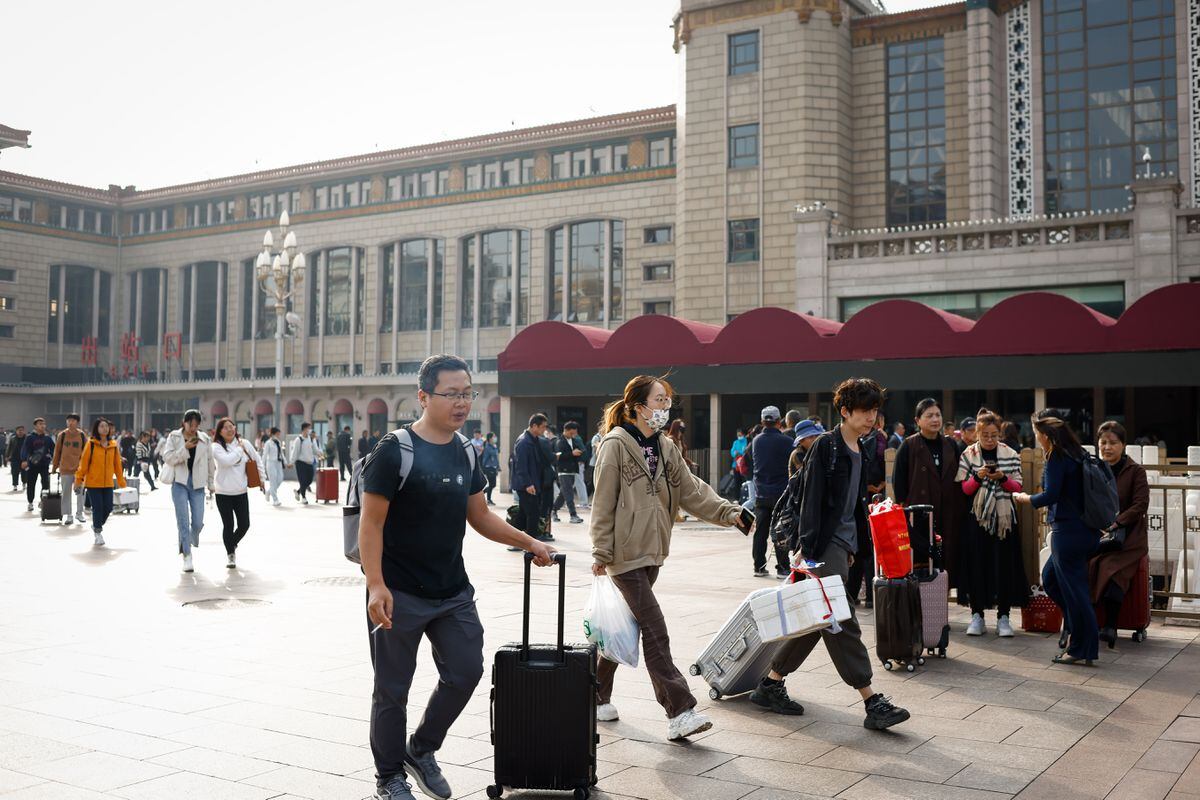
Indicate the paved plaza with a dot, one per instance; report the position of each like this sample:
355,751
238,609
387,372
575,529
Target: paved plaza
112,687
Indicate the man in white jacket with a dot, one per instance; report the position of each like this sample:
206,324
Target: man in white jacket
188,467
275,460
305,453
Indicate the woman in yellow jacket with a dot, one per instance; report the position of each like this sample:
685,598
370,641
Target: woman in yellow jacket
99,467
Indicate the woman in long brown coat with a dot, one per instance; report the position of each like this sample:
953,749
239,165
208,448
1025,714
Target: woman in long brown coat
1111,573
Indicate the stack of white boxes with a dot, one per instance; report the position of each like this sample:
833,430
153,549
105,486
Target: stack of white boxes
794,609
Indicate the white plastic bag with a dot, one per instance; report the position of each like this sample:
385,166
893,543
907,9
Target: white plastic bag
609,624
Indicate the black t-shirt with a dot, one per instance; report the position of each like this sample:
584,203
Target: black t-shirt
651,448
568,462
427,519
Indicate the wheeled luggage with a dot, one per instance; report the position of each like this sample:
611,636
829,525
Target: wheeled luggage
544,709
51,504
933,583
737,658
898,636
327,485
127,500
1135,608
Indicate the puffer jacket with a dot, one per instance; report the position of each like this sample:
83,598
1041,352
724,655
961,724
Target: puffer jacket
99,465
633,511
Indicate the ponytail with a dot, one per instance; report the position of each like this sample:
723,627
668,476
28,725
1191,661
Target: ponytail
637,392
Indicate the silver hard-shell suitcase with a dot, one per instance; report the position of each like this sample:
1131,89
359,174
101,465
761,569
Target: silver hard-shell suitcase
736,659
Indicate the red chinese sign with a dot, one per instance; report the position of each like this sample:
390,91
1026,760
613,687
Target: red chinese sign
88,353
172,346
131,348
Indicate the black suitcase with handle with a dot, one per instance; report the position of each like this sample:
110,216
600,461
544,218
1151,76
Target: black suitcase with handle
52,504
544,709
898,635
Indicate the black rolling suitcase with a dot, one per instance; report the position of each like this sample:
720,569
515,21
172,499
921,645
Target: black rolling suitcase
898,637
52,504
544,709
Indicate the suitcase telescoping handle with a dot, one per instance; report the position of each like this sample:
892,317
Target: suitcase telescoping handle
927,511
561,560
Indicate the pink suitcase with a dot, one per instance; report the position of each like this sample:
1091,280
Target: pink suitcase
934,584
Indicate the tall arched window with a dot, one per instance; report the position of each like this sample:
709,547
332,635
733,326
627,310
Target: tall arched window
503,278
408,264
80,301
205,302
585,259
336,278
147,305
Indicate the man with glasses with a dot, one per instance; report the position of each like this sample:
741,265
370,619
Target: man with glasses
411,539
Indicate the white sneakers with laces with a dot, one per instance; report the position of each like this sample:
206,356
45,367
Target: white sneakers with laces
976,628
1004,628
187,563
606,712
689,723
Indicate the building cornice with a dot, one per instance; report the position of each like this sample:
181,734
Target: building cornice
908,25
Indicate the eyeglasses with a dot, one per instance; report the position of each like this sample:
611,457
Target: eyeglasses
462,397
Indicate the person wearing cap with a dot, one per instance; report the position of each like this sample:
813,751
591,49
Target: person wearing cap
768,455
807,432
967,435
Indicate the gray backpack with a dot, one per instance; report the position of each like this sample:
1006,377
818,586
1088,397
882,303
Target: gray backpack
352,511
1100,503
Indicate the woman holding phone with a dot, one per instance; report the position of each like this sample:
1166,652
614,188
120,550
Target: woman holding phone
231,487
991,569
641,483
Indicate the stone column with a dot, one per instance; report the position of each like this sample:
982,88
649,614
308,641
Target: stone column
812,260
715,442
986,111
1155,261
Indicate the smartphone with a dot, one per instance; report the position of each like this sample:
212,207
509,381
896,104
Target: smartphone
747,519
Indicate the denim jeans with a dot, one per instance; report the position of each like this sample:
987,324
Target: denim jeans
188,501
102,506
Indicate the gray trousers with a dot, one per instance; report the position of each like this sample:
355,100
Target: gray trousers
846,649
68,492
456,636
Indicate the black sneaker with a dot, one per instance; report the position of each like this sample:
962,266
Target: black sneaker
395,789
761,572
775,697
881,714
424,770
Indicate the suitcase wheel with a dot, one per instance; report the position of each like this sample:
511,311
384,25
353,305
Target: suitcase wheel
1139,635
494,791
694,669
581,793
920,662
909,667
887,665
714,694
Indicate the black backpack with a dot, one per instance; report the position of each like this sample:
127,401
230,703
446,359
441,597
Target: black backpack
785,518
1100,502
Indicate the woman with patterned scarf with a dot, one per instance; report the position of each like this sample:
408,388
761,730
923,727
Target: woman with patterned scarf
991,570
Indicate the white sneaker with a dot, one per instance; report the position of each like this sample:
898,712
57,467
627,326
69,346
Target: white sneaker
187,563
1004,628
687,724
30,507
976,627
67,520
606,712
99,541
276,502
303,501
231,561
296,494
80,517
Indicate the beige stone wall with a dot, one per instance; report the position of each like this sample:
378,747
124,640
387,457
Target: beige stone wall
958,201
869,209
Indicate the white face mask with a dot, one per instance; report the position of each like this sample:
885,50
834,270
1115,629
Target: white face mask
659,417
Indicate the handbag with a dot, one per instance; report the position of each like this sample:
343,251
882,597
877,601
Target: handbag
1040,614
1112,541
253,479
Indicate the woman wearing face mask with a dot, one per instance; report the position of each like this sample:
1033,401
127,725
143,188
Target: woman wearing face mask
641,483
992,572
1111,573
926,465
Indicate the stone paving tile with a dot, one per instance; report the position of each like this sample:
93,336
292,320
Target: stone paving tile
339,759
130,745
878,788
149,721
98,771
1189,781
19,751
1035,759
311,784
900,739
1168,756
51,790
793,749
1184,729
10,781
183,786
215,764
1141,784
993,777
771,793
687,758
929,766
782,775
181,701
1192,709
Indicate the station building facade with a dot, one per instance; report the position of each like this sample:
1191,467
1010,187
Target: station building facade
822,156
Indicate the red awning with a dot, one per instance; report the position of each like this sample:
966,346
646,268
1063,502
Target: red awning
342,406
263,407
219,410
294,407
377,406
1039,323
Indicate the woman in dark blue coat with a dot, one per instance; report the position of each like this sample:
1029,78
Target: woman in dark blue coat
1065,577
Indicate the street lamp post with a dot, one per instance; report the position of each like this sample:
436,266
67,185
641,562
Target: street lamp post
280,275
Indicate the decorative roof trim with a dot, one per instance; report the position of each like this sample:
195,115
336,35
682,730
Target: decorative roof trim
905,26
541,136
13,137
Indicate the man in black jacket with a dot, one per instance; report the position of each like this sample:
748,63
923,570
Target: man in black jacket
344,440
768,455
568,453
833,511
527,473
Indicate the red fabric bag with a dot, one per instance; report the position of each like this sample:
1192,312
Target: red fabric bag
1040,614
742,466
889,531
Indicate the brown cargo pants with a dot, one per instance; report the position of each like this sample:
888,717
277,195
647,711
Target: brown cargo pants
670,687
